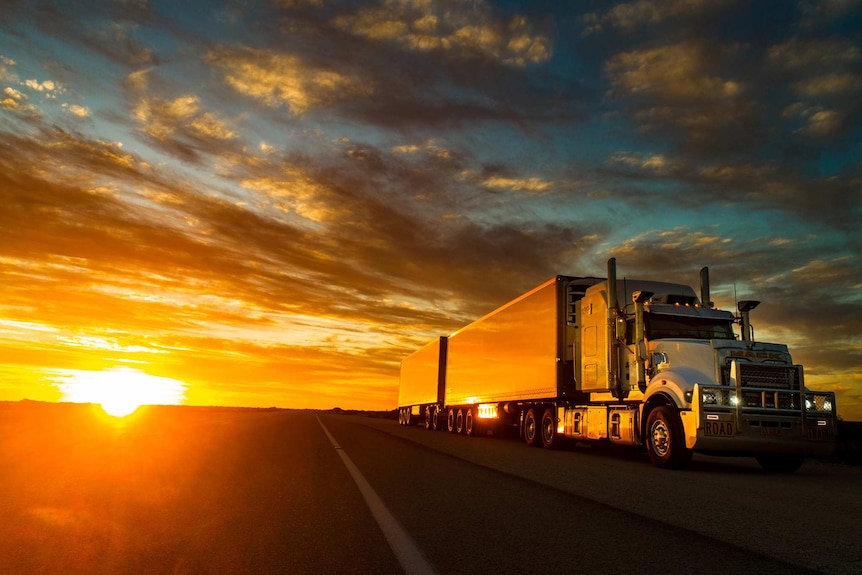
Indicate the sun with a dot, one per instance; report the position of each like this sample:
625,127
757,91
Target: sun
121,390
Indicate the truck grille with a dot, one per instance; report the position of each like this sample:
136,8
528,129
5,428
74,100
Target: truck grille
770,400
768,376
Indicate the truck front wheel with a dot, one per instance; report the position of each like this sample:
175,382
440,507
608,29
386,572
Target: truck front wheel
531,428
665,441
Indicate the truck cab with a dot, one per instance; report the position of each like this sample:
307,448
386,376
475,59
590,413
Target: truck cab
691,383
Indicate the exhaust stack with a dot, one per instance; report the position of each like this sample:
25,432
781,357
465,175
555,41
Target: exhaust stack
745,308
613,313
704,287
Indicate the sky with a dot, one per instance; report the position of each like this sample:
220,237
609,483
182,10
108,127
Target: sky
272,203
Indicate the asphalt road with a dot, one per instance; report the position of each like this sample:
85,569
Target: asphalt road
180,490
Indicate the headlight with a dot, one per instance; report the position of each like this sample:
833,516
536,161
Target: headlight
818,402
723,397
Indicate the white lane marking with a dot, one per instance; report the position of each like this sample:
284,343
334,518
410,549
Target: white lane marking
409,555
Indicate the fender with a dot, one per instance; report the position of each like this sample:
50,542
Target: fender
677,383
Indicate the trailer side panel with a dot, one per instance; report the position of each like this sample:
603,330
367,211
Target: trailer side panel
423,375
514,353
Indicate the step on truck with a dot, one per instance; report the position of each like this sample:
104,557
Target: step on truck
632,362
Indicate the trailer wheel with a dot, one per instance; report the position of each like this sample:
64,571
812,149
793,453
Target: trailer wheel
779,462
550,438
408,416
531,428
450,420
429,412
436,424
470,423
459,422
400,416
665,441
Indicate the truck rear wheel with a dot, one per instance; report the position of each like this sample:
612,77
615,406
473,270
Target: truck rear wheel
436,423
779,462
550,438
665,441
470,423
531,428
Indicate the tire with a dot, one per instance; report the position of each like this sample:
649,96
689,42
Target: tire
459,422
408,416
531,428
436,424
665,440
429,412
548,430
450,420
401,416
471,423
779,462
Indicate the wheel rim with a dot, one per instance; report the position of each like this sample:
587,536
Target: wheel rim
530,428
548,429
660,435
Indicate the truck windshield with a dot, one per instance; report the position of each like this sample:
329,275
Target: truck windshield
668,326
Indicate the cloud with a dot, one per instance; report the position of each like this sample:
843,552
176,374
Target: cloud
76,110
182,127
674,88
630,16
278,79
434,27
823,76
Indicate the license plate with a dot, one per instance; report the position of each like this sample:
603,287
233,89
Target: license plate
818,433
718,428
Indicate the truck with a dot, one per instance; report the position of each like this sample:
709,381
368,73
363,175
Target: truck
642,363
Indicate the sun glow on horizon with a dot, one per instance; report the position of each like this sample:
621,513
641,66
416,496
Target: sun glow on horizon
121,390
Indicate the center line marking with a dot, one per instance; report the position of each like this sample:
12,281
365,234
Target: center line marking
408,554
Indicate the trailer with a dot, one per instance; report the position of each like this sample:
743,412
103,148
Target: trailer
662,370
